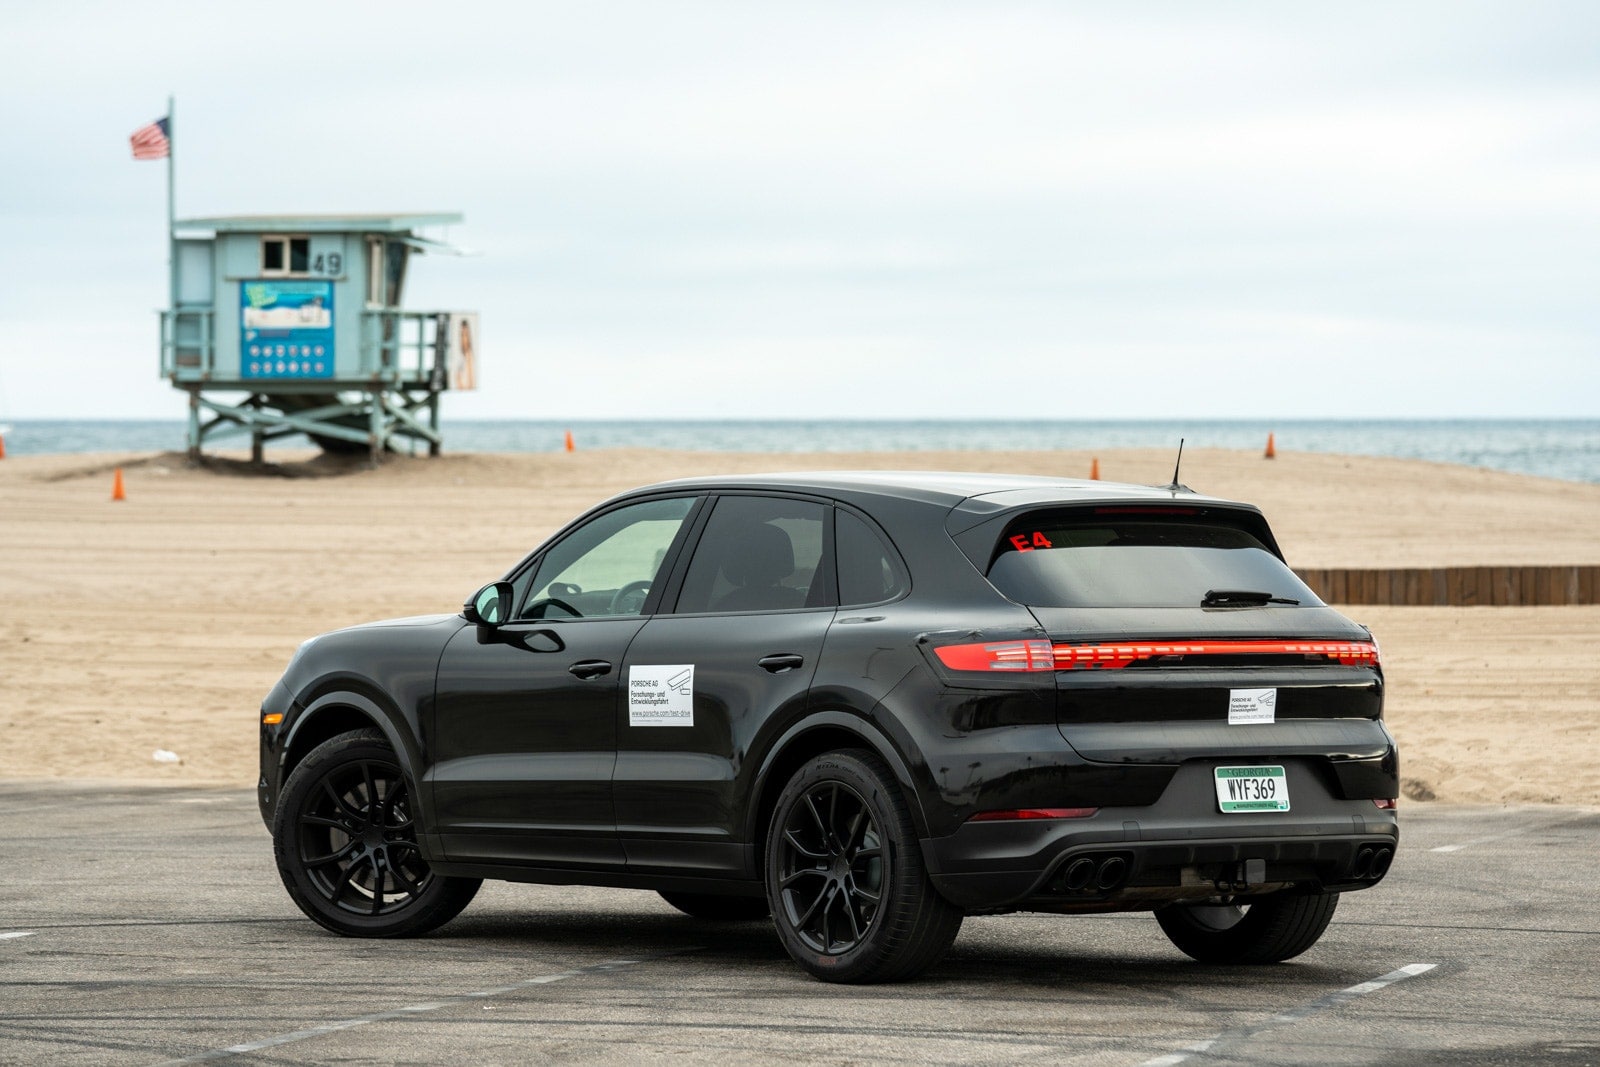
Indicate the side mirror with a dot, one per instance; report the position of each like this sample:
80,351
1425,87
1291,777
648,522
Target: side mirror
491,605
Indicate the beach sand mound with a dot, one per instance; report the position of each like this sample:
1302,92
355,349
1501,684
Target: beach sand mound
159,622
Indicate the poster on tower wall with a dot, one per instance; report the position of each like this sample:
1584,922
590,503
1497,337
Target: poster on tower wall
461,346
286,329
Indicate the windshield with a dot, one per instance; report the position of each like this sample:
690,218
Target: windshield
1134,562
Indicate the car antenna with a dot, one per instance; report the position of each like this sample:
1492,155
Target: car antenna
1175,487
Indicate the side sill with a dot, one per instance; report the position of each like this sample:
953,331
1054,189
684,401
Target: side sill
730,887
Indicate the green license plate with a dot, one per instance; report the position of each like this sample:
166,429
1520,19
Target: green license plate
1252,789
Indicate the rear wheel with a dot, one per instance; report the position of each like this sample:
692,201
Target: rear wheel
718,909
845,881
346,844
1267,930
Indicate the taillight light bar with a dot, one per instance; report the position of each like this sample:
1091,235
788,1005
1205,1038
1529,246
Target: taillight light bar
1113,657
1043,656
1000,656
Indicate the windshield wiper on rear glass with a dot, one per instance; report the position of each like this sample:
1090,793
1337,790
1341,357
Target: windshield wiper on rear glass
1241,598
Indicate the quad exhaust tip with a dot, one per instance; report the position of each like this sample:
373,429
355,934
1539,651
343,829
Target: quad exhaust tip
1094,874
1371,863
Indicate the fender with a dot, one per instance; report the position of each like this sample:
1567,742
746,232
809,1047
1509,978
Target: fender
850,722
383,719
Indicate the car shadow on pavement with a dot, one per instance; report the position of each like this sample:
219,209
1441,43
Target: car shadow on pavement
981,968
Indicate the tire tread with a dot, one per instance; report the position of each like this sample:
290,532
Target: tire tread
923,924
1274,929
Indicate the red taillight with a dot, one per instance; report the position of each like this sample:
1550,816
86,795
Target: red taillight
1114,657
999,656
1042,656
1014,814
1386,803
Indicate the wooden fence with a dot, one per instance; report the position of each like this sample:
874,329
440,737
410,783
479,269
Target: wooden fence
1456,586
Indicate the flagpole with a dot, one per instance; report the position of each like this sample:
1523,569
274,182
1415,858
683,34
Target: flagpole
172,229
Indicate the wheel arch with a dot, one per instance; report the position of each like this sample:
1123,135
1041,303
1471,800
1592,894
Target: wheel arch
337,713
815,735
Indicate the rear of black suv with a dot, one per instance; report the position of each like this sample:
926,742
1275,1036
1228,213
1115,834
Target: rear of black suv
1225,728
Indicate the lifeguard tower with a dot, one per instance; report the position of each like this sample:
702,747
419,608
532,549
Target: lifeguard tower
291,324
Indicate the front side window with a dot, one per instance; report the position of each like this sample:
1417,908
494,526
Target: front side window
757,554
1139,562
608,566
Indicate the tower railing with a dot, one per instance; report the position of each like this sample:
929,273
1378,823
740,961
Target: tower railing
400,348
188,344
390,397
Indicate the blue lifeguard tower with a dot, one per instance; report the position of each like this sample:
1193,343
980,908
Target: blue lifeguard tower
291,324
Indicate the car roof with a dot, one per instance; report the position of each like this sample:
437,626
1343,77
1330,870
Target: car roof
945,488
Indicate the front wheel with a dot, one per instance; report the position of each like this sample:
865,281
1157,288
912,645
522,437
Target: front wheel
346,844
1268,930
849,895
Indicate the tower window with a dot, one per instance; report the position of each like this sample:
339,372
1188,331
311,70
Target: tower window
285,255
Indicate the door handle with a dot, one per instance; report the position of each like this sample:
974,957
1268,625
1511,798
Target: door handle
590,668
779,662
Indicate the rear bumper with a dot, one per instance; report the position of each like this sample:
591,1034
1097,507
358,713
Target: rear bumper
1180,848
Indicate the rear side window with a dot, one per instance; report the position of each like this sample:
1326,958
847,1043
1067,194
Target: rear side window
870,571
757,554
1133,561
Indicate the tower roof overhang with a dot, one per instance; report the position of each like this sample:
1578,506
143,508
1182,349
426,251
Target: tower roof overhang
369,223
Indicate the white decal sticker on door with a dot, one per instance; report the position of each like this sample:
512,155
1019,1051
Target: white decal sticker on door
1247,706
661,694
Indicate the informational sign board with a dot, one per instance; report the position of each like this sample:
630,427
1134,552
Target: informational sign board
661,694
461,344
286,329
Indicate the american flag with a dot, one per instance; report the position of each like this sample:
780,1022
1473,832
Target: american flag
150,142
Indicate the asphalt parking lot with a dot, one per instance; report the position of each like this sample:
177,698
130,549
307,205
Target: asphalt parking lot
144,926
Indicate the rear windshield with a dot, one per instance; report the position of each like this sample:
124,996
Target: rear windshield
1139,562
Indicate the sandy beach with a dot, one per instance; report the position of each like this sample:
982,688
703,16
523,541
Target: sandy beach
160,622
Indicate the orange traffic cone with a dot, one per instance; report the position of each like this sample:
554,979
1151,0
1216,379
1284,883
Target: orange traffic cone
1272,451
570,446
117,492
1094,469
2,446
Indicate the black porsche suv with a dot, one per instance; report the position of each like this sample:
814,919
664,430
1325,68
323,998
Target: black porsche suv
867,704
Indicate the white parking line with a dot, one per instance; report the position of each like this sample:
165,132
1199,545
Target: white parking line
16,934
1478,841
1519,832
401,1013
1294,1015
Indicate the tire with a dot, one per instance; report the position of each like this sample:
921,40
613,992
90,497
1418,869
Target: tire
849,895
717,908
1271,929
345,840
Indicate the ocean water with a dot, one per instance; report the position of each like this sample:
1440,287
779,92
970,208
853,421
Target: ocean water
1554,448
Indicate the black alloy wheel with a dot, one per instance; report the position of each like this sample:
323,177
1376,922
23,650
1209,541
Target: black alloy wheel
346,844
833,868
845,880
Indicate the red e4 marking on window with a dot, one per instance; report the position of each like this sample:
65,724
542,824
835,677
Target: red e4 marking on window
1027,542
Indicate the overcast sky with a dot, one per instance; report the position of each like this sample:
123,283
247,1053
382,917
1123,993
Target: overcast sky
860,209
